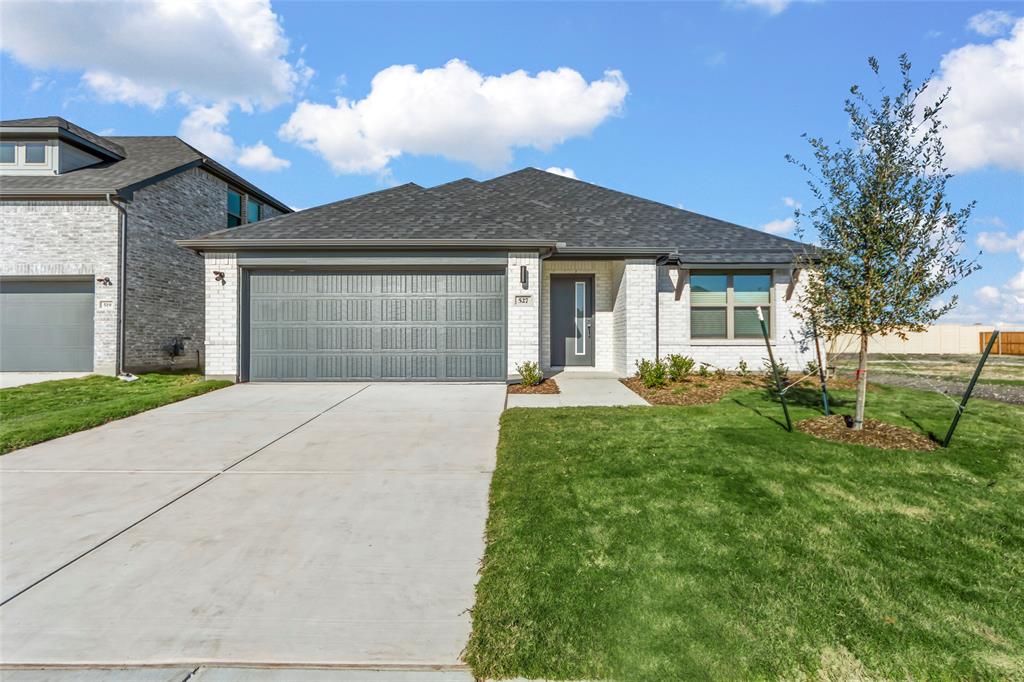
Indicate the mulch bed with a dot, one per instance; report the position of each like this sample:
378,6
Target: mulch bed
546,387
875,434
694,390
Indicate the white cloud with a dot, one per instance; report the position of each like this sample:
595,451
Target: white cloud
142,52
1001,242
41,83
792,203
990,22
261,157
987,294
454,112
205,128
780,226
983,114
773,7
564,172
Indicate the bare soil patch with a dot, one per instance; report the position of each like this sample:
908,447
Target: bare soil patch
875,434
546,387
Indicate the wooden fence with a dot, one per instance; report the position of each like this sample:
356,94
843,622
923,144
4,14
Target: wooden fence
1008,343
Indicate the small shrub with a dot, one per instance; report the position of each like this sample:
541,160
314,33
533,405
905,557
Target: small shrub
743,369
679,366
812,368
652,373
780,366
704,372
530,373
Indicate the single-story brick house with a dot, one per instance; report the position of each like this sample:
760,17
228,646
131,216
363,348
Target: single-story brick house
465,280
90,277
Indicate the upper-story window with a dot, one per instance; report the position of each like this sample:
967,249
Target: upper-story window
723,305
234,208
35,152
253,211
8,152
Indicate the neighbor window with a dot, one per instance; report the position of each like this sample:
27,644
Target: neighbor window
8,152
724,305
253,214
234,208
35,152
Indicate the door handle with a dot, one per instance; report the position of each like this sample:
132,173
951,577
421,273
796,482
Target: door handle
588,330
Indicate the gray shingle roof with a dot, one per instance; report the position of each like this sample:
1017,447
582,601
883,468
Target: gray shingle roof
525,205
144,160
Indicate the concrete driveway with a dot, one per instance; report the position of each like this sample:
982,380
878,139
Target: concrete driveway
313,524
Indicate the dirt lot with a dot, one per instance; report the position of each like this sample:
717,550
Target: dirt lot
1002,379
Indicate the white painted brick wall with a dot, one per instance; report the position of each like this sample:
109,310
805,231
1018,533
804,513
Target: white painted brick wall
523,320
67,238
640,281
604,302
222,315
674,326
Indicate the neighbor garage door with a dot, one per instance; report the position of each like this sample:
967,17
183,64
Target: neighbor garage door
46,326
416,325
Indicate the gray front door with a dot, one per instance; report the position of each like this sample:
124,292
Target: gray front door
378,325
46,326
572,321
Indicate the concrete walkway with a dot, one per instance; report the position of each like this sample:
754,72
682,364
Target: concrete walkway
12,379
312,524
204,674
581,389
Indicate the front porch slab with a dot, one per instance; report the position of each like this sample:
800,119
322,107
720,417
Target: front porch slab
584,388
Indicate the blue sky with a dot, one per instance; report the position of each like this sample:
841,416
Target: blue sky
718,93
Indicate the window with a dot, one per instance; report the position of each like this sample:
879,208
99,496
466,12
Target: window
35,152
234,208
724,305
8,152
253,214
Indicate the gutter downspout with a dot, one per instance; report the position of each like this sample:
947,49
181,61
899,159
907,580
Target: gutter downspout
122,284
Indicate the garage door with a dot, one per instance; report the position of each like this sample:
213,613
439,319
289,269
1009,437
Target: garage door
400,326
46,326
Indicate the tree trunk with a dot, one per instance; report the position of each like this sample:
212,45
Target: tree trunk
862,382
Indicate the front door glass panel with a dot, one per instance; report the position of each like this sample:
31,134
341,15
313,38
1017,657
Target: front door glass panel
581,318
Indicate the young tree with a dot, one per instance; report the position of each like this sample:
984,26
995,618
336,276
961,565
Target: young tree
890,240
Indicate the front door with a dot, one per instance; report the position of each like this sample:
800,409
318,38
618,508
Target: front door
572,321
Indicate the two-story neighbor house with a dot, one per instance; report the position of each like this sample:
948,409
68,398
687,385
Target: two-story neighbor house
465,280
90,276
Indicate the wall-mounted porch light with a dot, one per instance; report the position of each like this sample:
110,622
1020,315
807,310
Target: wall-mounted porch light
524,277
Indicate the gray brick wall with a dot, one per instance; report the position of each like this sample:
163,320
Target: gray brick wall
165,296
67,239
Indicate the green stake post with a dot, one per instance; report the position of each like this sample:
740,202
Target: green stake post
775,370
821,368
970,388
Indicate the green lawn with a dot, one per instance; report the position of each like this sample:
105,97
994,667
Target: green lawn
679,543
37,412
